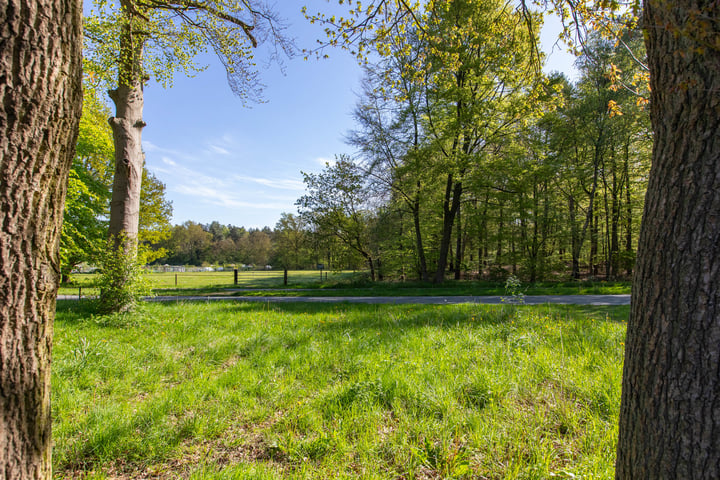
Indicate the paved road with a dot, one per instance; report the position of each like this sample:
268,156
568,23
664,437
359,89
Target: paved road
436,300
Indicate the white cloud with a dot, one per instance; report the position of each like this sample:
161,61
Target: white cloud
283,184
219,150
169,161
224,199
149,146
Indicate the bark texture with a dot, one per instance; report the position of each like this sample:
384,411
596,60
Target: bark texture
127,125
40,87
670,411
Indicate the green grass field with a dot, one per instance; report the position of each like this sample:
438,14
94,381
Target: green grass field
271,391
192,282
308,283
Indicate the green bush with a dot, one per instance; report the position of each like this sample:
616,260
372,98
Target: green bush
121,281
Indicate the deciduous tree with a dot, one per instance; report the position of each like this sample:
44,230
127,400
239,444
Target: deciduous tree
670,409
337,203
133,39
41,90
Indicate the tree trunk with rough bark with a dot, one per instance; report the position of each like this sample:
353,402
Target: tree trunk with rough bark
127,125
670,409
41,90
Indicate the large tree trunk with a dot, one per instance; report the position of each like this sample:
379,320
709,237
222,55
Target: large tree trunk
41,91
670,410
127,125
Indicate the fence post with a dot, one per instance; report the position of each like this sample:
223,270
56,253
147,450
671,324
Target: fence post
235,276
285,277
176,279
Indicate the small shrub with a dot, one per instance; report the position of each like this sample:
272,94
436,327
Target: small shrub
122,283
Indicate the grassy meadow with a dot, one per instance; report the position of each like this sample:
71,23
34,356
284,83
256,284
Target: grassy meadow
228,390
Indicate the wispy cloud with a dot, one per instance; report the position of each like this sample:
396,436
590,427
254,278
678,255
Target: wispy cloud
149,146
169,161
221,198
218,149
280,183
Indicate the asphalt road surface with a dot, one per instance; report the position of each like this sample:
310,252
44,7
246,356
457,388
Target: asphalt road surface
434,300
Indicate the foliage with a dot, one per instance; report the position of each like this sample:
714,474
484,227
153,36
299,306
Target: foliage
122,282
155,214
172,34
338,205
86,204
291,242
227,390
483,168
513,291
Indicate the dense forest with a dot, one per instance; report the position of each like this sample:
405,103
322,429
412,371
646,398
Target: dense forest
476,172
473,175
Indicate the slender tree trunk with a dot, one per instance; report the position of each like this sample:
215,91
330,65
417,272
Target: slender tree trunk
606,236
576,244
483,237
670,407
451,205
591,220
594,243
498,249
628,210
371,264
418,236
615,221
458,245
41,91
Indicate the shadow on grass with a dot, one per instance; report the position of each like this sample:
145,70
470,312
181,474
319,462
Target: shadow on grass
369,316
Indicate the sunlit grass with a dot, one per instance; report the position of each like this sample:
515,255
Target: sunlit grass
203,282
238,390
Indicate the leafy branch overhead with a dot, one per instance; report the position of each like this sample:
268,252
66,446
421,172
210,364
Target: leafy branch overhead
168,36
381,25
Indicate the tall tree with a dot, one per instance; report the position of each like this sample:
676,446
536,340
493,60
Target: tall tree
478,83
389,137
133,39
338,204
87,203
670,410
84,229
291,241
41,90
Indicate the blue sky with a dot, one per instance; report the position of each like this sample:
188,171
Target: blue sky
242,166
